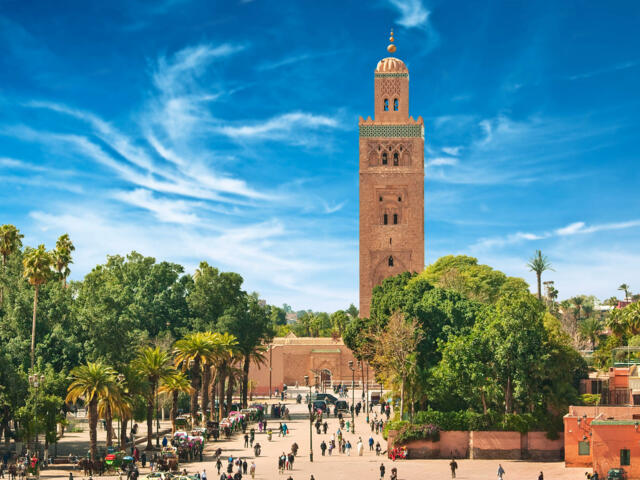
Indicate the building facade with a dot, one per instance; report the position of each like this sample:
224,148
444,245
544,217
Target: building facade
289,359
391,182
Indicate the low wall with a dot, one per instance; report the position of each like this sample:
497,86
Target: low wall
495,445
539,447
486,445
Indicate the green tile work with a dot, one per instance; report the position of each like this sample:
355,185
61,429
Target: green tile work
392,75
392,131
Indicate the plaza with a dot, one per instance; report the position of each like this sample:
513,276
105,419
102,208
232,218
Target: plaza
337,466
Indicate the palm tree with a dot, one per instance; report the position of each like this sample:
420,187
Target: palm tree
626,289
191,353
107,406
539,263
10,242
62,257
590,329
91,382
37,270
174,385
154,364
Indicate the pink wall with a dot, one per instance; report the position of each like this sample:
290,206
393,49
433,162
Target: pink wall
619,413
487,445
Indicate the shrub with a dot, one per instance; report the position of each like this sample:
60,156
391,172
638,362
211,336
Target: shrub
393,425
590,398
412,432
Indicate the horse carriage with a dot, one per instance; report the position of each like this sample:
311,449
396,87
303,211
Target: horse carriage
213,429
169,460
183,422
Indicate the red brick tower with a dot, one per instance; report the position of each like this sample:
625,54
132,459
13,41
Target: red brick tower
391,182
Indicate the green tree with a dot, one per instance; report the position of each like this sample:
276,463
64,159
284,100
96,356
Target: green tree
173,385
155,365
250,325
10,242
539,263
62,257
91,382
37,270
339,320
626,289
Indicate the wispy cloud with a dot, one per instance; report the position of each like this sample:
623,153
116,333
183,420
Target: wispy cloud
612,68
165,210
412,13
288,127
328,209
442,161
576,228
293,60
454,151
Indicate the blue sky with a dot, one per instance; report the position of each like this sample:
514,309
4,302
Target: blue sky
227,132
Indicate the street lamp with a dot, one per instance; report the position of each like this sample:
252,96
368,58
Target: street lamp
353,396
36,381
306,382
120,382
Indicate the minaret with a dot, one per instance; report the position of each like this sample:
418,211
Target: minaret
391,182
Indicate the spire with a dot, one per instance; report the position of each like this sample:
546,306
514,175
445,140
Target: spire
391,48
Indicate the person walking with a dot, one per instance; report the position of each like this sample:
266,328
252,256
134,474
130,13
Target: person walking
371,444
501,472
323,447
246,440
244,467
252,469
360,447
382,470
378,449
203,475
454,466
541,476
218,465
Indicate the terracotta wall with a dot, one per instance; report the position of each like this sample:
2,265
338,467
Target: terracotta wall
619,413
574,433
489,445
486,445
608,440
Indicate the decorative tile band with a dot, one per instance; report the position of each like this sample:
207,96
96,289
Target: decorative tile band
391,75
392,131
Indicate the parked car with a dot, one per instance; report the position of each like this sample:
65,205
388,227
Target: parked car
330,399
342,406
320,405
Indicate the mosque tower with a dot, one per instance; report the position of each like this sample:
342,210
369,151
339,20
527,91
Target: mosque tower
391,182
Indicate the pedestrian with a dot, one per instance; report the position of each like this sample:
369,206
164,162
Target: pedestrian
252,469
360,447
382,470
541,476
323,447
246,440
347,448
244,467
165,441
203,475
218,465
454,466
378,449
371,444
394,473
70,475
501,472
143,458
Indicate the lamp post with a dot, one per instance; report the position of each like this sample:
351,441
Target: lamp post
353,396
36,382
120,382
306,382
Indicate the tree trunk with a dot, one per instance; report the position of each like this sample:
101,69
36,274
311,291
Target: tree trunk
174,411
150,419
206,379
230,386
93,428
33,326
539,275
108,420
245,380
195,384
123,432
484,401
507,396
401,398
222,373
212,395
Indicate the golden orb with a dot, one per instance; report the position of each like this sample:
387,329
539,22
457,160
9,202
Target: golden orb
391,48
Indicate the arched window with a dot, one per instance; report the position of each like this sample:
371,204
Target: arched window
391,261
385,219
395,104
395,218
386,104
384,158
395,159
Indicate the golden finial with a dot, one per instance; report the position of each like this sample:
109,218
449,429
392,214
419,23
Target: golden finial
391,48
